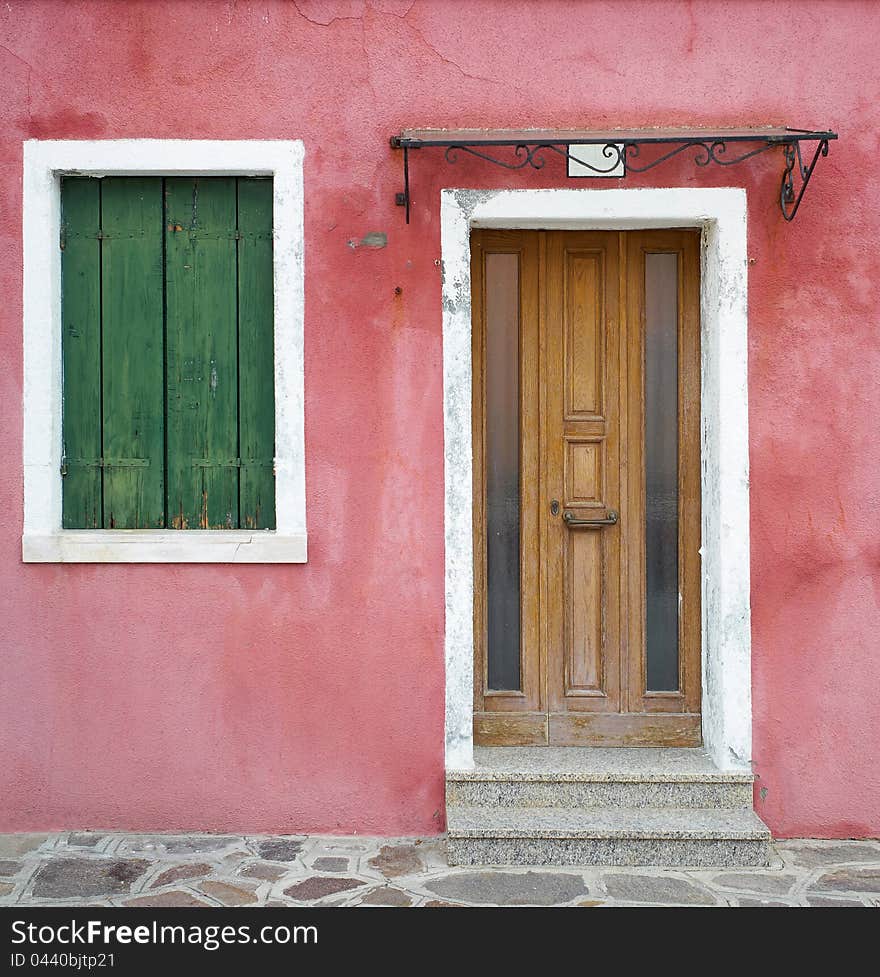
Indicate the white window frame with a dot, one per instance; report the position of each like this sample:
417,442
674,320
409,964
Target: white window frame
45,162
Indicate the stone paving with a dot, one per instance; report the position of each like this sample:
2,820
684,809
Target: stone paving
101,869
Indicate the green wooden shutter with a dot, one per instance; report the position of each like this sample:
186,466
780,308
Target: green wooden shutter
202,353
132,353
256,354
81,351
167,315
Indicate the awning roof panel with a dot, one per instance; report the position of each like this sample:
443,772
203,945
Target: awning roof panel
513,137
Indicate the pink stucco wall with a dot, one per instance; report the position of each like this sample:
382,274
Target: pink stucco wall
311,697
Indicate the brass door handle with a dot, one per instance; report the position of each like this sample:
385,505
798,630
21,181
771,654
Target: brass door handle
574,523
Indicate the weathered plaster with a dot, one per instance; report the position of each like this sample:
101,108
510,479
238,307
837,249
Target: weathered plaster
310,697
43,539
726,627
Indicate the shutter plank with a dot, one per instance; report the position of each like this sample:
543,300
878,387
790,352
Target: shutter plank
256,354
81,352
201,353
134,489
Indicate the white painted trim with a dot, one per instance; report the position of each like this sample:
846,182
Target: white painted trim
157,546
726,626
44,164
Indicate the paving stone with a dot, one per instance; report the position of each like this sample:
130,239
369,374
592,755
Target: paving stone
198,843
6,888
279,849
84,839
433,854
848,880
176,897
509,888
331,864
9,867
745,901
20,844
437,903
142,845
827,901
319,886
656,888
591,902
228,894
386,896
806,855
190,870
395,860
63,877
263,870
771,885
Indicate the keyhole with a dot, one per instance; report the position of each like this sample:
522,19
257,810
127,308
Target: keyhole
554,508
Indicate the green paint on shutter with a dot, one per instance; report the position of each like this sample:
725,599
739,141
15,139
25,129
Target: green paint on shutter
256,354
131,261
169,407
201,353
81,351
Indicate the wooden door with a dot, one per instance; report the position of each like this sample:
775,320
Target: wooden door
586,488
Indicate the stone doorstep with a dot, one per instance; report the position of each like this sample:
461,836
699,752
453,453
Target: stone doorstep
598,793
690,853
569,764
690,837
608,823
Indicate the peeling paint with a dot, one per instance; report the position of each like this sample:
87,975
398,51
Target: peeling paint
374,240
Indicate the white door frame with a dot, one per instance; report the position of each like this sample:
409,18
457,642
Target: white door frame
726,621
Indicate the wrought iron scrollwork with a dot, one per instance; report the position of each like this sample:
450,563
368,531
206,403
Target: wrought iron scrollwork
526,156
618,154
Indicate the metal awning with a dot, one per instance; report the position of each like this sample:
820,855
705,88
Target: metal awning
616,152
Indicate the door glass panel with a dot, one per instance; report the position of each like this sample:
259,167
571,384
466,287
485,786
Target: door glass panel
502,470
661,470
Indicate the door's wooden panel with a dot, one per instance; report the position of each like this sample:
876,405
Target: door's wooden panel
510,728
686,244
584,610
581,435
624,729
584,368
529,697
583,472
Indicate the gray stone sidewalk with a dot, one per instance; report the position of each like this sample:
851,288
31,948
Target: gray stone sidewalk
103,869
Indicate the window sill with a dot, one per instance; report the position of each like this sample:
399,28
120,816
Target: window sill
157,546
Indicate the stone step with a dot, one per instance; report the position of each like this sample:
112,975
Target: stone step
567,777
605,836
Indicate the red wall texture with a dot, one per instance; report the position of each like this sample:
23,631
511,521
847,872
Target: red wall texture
303,698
